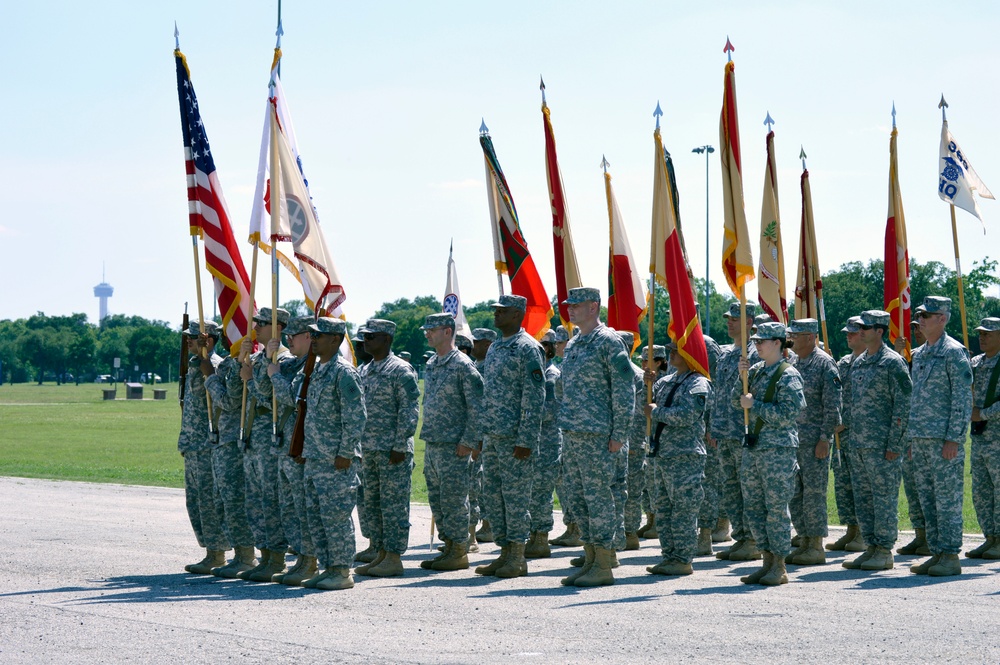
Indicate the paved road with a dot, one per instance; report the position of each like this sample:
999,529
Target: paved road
94,574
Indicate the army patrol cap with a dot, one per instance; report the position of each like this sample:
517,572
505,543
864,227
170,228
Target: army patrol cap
761,318
520,303
462,342
803,326
937,305
211,328
378,326
769,331
326,325
484,333
405,355
549,337
582,294
659,352
853,325
299,324
264,316
734,310
989,324
562,335
627,338
670,347
875,317
443,320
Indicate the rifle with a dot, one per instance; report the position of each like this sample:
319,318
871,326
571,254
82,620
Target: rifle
299,433
184,357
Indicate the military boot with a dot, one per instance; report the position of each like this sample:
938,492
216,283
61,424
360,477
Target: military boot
390,566
473,545
631,541
275,565
538,547
338,578
485,533
918,543
755,576
724,553
579,561
721,532
840,544
856,545
796,540
658,568
305,572
651,532
278,577
748,552
492,567
213,559
650,524
614,559
921,569
600,570
588,552
243,560
457,558
946,566
516,565
311,582
704,547
881,560
571,533
366,555
855,564
676,568
265,556
814,553
801,545
364,568
993,552
776,574
428,564
978,552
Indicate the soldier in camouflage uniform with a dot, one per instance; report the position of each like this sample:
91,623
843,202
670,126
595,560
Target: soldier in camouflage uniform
225,386
464,344
482,338
652,371
678,454
548,460
940,410
919,543
513,405
726,429
571,536
713,524
816,426
769,464
635,478
195,444
595,415
334,423
453,393
986,439
264,449
369,553
392,406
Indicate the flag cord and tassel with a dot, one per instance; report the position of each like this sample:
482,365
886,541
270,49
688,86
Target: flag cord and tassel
202,351
958,274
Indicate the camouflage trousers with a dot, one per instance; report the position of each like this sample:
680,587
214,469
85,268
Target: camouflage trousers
266,464
986,481
647,500
876,495
475,490
708,512
808,504
364,521
546,473
843,484
679,495
292,497
730,462
252,501
447,476
620,493
330,497
910,489
204,506
636,485
768,478
506,490
940,487
591,470
387,500
230,485
562,491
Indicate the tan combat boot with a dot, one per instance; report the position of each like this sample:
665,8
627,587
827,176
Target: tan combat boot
650,524
748,552
918,543
814,553
796,540
579,561
574,538
881,560
724,553
840,544
275,565
390,566
978,552
755,576
307,571
856,545
704,547
946,566
676,568
600,571
855,564
265,555
921,569
485,533
993,552
337,578
457,558
428,564
473,545
492,567
311,582
278,577
631,541
366,555
721,532
801,545
213,559
364,568
776,575
588,552
516,565
560,540
538,547
658,568
243,560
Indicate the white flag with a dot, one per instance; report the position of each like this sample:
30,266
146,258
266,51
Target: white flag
452,302
958,180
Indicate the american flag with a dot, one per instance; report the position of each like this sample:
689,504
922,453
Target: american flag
208,216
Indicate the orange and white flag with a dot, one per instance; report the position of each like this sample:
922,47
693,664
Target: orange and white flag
737,258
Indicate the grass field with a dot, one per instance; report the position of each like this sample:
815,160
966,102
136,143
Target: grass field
69,433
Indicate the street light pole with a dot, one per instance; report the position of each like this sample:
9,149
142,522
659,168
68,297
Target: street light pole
708,150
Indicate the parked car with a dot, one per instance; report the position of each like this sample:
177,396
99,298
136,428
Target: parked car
103,378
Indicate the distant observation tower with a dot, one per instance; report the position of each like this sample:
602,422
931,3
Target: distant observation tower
103,291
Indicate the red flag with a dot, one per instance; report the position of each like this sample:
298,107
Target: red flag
626,295
897,258
737,259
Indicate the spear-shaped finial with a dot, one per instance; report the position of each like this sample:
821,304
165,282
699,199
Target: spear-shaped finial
177,37
657,113
729,49
894,114
769,121
483,129
802,156
943,105
604,163
279,31
541,86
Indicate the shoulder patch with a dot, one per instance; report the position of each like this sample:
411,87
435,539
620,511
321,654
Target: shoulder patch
537,376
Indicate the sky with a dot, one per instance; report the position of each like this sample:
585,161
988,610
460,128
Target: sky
387,99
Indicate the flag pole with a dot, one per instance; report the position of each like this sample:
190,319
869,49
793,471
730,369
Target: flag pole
249,337
896,208
275,224
652,300
958,273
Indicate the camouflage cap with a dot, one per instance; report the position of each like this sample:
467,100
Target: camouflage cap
853,325
937,305
264,316
627,338
405,355
803,326
989,324
484,333
378,326
761,318
462,341
659,352
769,331
875,317
549,337
326,325
428,355
734,310
582,294
562,335
443,320
520,303
299,324
211,328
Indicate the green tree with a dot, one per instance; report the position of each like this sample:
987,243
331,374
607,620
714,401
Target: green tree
409,316
45,349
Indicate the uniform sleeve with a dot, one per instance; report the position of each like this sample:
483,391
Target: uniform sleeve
352,413
529,428
282,386
622,392
900,388
788,402
472,391
832,400
686,411
408,399
960,410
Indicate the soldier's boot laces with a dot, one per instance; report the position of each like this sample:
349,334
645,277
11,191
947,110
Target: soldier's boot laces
538,546
814,553
213,559
485,533
855,564
704,547
265,555
977,553
840,545
390,566
946,566
919,542
364,569
600,570
244,559
748,552
516,564
366,555
457,558
755,576
275,564
588,553
307,571
492,567
776,575
881,560
721,532
922,568
338,578
429,563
